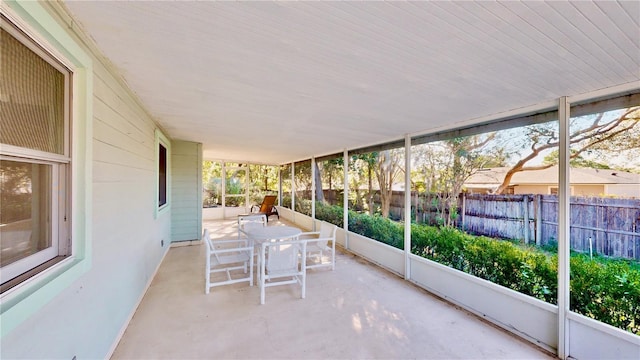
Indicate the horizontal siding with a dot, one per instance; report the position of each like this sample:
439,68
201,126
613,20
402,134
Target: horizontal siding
121,140
108,153
127,237
182,216
186,190
108,172
109,91
124,247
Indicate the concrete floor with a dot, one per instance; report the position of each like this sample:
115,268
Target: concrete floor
357,311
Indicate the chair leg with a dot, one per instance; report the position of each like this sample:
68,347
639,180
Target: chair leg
250,270
333,253
333,259
262,273
207,273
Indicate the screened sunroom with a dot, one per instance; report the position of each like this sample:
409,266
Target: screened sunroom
480,161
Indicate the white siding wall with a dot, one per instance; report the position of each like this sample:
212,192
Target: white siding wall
87,317
186,191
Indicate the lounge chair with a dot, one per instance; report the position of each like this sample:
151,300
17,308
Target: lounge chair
267,207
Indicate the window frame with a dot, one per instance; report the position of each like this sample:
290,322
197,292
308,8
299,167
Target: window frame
30,296
554,190
15,273
162,140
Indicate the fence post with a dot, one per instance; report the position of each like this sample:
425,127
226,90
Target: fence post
525,215
538,219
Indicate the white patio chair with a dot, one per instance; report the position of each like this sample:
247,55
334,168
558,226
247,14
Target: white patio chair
229,257
282,263
249,220
321,253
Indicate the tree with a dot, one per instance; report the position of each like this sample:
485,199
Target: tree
327,172
363,166
576,162
285,181
598,132
318,181
446,165
212,183
389,167
263,180
16,190
302,182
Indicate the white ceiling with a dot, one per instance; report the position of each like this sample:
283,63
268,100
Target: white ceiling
277,82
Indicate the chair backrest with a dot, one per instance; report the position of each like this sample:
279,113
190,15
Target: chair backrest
267,203
283,256
327,231
247,222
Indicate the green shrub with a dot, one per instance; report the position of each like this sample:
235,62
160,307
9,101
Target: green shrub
330,213
378,228
608,291
603,289
539,276
303,206
500,262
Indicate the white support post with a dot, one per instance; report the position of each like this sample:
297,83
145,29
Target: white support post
313,191
293,189
224,190
345,200
525,218
279,185
247,175
407,206
563,229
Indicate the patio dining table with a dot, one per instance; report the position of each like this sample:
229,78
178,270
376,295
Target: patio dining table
260,234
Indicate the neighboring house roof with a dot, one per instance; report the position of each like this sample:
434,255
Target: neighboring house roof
494,176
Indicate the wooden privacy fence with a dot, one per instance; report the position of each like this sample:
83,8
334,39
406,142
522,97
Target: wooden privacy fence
605,226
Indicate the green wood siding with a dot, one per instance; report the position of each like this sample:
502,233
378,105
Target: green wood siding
186,191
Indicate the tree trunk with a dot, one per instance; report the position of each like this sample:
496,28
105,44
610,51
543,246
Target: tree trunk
370,193
318,179
266,183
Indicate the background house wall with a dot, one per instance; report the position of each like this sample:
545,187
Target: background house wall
186,194
624,190
531,189
85,318
588,190
576,190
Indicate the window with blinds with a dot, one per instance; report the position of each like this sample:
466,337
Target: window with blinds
34,157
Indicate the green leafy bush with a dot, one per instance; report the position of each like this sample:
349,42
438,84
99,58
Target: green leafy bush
378,228
500,262
330,213
607,290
